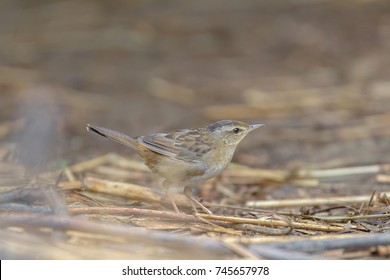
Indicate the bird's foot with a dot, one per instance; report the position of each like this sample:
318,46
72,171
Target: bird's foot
194,202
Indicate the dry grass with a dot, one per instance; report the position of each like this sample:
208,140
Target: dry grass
314,183
115,219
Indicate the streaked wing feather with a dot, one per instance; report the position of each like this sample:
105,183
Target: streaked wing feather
160,144
186,144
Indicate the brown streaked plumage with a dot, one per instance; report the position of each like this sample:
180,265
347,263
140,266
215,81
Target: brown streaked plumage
187,155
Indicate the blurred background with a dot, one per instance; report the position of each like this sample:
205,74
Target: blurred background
315,72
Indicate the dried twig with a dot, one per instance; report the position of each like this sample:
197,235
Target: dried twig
345,171
128,190
310,201
383,178
351,218
130,233
356,242
240,250
125,211
275,223
235,171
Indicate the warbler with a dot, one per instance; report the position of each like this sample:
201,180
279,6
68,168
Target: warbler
185,156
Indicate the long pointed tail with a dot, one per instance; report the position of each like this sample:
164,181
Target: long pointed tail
115,136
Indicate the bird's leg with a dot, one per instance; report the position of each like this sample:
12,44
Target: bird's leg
194,202
166,186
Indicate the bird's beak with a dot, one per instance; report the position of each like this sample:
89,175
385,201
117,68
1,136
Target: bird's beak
254,126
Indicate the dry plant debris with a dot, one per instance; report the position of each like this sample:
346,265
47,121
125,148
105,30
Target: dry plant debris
122,217
324,188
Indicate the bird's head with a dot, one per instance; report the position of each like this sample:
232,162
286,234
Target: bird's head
231,132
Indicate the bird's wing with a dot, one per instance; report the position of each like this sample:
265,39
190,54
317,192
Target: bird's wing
186,144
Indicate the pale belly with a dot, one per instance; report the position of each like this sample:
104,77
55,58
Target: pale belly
192,171
181,172
210,173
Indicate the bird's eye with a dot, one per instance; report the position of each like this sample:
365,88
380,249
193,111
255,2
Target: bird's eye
236,130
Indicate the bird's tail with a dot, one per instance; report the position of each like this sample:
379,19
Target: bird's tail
115,136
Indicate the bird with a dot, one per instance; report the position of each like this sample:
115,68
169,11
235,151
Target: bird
185,156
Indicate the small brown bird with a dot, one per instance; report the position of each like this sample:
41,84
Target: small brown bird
188,155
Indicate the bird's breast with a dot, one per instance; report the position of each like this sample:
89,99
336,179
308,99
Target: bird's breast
214,163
